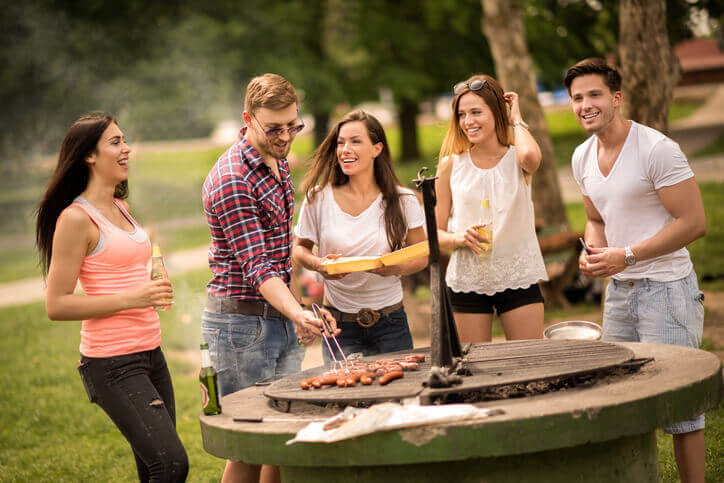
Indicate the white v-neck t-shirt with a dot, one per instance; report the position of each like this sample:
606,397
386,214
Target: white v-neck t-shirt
335,231
627,201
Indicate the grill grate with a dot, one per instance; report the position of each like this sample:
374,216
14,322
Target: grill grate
490,365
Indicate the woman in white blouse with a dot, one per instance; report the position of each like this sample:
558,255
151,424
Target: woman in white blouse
484,168
355,206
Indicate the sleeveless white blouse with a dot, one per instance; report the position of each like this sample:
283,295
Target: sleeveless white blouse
516,261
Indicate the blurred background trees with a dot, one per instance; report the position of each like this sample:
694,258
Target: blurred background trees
173,70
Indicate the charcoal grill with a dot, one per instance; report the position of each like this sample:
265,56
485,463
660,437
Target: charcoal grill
590,411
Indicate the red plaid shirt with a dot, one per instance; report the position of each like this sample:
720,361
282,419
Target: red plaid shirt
249,213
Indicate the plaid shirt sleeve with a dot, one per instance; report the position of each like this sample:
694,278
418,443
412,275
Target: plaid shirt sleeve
236,208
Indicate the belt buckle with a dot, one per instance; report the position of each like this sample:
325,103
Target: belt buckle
367,317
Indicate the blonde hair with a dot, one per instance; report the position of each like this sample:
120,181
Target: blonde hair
270,91
455,141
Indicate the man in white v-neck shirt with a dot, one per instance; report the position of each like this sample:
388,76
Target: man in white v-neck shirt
643,207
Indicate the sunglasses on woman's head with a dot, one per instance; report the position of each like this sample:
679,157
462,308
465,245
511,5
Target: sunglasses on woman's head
473,85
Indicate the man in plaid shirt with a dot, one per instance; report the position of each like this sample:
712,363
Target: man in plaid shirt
252,321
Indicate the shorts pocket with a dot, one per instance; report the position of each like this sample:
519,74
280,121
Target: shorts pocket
86,380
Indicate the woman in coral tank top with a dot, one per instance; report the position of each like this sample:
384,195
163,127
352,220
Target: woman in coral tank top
85,233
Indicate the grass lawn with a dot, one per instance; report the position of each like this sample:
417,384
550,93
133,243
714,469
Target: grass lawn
717,147
50,432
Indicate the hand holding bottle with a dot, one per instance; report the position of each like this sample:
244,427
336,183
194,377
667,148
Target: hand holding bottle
158,272
157,293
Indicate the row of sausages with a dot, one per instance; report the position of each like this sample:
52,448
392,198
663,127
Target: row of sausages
384,370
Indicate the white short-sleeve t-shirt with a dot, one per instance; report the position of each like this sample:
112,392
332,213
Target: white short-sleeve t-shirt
627,201
334,231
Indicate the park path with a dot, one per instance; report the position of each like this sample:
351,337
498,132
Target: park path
696,131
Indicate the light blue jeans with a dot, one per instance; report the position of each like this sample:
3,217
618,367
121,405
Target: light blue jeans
660,312
246,349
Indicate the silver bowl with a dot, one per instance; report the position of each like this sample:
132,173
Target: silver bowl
573,329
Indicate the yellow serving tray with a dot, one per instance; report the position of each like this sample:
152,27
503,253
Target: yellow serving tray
417,250
352,264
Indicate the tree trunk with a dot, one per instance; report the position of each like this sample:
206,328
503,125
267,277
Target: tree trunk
407,117
649,67
321,122
503,26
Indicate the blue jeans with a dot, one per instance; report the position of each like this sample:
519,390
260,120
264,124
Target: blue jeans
135,391
246,349
391,333
660,312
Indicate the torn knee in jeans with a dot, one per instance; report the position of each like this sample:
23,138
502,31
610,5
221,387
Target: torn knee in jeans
156,403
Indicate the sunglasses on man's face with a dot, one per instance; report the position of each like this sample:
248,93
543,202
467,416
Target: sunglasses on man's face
274,133
473,85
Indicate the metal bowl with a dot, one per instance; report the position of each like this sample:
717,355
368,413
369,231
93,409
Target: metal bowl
573,329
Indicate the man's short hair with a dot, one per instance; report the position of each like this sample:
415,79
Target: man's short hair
270,91
594,65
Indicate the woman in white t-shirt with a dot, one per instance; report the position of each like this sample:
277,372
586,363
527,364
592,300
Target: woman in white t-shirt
355,206
484,179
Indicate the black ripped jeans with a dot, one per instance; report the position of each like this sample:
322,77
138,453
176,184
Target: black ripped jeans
135,390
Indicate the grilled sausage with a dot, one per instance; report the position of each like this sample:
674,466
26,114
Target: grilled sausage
415,358
409,366
367,378
390,376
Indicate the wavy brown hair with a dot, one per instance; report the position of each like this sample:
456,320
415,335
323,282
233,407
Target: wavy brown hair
70,179
326,170
492,94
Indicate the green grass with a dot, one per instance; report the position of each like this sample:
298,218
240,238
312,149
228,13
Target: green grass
716,147
48,429
50,432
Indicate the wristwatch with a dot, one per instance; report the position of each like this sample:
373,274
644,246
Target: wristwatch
520,123
630,259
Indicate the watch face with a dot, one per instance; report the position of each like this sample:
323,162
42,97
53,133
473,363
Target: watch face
630,260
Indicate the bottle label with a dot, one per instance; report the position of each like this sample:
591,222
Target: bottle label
204,395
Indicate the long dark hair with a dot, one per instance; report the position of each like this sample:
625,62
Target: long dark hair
326,170
70,179
455,141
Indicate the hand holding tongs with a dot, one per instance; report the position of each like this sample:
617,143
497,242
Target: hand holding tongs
328,328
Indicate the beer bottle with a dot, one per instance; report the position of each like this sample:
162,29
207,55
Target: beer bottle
485,218
209,384
158,270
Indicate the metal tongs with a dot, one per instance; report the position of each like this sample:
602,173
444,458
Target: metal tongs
328,328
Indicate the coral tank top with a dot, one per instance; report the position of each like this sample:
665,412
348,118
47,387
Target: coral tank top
119,262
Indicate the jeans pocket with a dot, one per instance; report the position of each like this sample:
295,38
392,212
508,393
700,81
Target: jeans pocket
86,380
398,317
246,332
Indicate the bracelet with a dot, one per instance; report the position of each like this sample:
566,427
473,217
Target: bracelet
520,123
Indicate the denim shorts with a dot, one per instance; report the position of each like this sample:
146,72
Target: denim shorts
660,312
246,349
391,333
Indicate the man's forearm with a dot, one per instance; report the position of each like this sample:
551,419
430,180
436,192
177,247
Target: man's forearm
276,292
670,238
595,234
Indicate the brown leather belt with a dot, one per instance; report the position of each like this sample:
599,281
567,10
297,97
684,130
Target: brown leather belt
235,306
365,317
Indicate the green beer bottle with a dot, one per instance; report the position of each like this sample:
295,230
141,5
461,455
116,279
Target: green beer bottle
209,384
